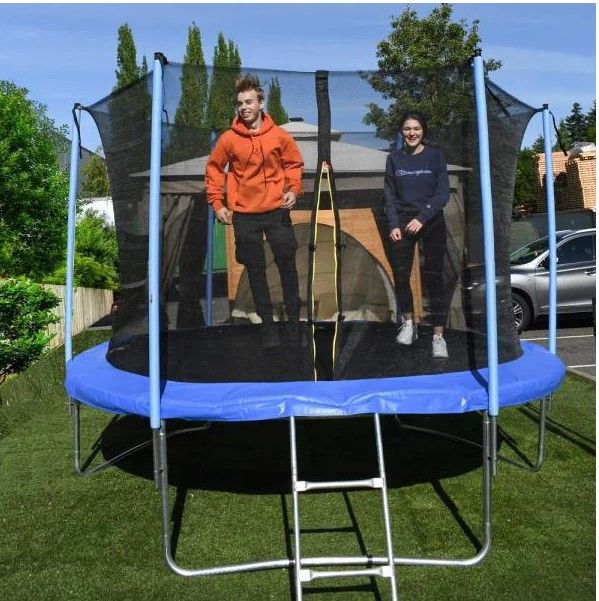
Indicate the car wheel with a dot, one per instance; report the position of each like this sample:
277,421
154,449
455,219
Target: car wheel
522,313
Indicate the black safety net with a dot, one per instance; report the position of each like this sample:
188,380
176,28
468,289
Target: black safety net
345,323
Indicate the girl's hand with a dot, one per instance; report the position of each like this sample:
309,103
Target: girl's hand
413,227
395,234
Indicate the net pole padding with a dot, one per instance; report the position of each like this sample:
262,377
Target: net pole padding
489,236
550,229
210,249
72,207
154,241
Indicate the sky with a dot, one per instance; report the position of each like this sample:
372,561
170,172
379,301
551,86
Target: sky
66,53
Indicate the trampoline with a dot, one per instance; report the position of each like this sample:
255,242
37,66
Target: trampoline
178,351
91,378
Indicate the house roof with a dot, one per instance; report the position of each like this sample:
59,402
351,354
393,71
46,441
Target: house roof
301,130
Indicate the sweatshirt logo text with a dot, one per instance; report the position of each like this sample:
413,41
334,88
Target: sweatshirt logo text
418,172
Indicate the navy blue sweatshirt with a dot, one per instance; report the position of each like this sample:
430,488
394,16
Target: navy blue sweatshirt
415,184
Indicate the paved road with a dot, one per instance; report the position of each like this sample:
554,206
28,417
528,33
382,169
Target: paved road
576,344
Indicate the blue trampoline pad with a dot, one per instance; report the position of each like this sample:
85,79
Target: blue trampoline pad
92,380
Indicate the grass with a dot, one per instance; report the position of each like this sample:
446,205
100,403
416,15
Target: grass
98,538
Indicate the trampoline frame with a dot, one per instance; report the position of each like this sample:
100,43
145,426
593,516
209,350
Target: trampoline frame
158,425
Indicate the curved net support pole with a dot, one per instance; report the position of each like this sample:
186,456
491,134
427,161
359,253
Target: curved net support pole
550,229
72,207
154,241
74,405
489,245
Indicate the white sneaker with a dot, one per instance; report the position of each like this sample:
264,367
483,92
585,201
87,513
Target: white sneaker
407,333
440,347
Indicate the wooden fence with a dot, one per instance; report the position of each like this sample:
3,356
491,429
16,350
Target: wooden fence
89,305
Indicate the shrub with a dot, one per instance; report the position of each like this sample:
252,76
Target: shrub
96,254
25,311
89,273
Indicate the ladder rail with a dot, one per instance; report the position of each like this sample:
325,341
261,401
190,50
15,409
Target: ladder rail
296,518
385,502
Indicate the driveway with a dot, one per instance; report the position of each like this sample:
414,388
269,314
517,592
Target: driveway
575,341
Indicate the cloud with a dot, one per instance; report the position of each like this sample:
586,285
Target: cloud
547,61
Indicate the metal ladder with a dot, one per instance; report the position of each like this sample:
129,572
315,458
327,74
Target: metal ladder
300,486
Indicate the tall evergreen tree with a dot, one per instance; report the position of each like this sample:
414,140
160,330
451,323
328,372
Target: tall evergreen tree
127,70
591,128
143,70
221,98
194,82
274,106
576,124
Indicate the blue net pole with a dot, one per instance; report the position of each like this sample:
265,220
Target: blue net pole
489,236
73,181
550,230
154,244
210,251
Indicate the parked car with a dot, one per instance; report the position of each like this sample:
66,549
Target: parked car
576,266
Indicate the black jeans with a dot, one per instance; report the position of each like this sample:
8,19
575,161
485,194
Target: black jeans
276,225
433,237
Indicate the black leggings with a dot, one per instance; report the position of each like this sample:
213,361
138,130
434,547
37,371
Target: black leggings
433,246
249,251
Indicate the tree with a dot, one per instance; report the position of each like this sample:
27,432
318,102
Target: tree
576,127
274,106
417,64
127,70
576,124
591,133
33,188
524,190
194,82
221,98
95,177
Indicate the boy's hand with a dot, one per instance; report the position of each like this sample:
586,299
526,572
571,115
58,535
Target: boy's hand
224,215
289,200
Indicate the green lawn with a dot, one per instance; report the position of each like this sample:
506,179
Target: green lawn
98,538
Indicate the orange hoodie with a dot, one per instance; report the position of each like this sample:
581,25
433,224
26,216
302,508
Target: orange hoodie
263,165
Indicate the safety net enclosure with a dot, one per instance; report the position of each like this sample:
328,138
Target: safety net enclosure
209,327
243,321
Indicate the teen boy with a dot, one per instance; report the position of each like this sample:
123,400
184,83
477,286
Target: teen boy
263,181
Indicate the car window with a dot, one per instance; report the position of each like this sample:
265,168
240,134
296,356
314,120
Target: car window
529,252
577,250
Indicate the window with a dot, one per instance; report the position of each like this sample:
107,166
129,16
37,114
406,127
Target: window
577,250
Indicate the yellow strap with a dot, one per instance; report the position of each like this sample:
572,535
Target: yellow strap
325,171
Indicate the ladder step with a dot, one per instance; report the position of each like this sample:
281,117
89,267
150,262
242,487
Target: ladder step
304,485
309,575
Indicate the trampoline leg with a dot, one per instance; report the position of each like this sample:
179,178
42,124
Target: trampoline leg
74,407
161,477
489,460
156,458
543,407
493,444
